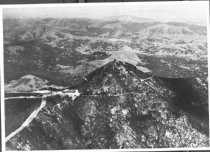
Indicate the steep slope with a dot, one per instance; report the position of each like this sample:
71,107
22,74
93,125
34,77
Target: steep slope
121,107
126,108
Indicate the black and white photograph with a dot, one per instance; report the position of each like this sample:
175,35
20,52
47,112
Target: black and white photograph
105,76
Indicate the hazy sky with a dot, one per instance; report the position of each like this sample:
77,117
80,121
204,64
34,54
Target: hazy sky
187,11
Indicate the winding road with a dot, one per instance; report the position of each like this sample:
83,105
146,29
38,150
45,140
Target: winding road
34,114
27,121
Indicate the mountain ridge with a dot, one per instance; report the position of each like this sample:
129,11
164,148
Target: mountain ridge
118,107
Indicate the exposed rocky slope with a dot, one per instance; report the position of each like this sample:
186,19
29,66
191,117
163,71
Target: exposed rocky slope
121,107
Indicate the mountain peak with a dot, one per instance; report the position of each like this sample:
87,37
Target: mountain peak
117,67
118,93
116,76
119,107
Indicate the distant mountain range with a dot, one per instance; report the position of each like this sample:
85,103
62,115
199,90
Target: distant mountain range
129,24
76,46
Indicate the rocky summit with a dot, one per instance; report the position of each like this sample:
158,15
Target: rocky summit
117,106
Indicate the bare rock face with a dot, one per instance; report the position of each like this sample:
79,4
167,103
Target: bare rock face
121,107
